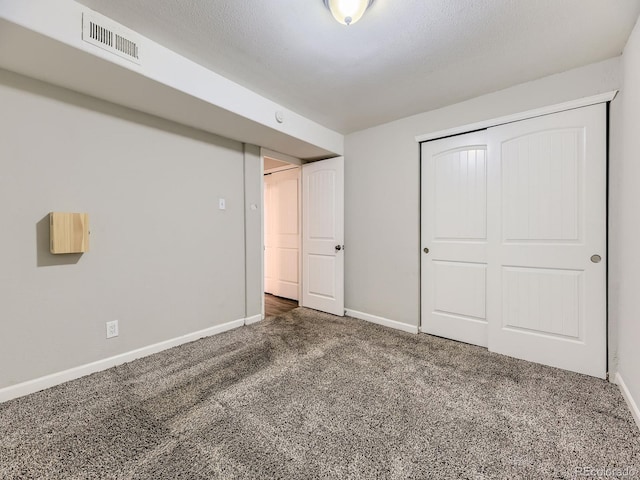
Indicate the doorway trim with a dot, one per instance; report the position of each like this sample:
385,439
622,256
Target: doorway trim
538,112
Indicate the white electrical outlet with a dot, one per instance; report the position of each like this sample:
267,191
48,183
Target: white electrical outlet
112,329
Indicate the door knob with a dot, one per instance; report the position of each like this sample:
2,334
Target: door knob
596,258
426,250
339,247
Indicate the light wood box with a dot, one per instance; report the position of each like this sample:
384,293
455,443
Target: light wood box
69,232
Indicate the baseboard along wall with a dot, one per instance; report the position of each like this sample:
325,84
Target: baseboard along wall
633,406
254,319
48,381
382,321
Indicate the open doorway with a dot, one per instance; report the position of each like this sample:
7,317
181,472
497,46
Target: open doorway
303,231
282,236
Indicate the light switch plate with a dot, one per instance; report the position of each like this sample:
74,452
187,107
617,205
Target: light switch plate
222,204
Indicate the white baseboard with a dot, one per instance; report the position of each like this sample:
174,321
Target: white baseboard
633,406
48,381
382,321
254,319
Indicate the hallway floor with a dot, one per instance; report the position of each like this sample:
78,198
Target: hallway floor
274,306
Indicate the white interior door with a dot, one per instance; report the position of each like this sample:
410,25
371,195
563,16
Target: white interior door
454,234
514,220
282,233
547,204
323,235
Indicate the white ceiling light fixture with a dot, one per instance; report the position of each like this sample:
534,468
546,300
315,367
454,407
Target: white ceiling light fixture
347,12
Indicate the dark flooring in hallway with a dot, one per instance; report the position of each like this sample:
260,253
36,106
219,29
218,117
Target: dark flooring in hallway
277,305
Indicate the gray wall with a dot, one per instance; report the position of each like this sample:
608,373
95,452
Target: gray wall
624,265
382,187
164,260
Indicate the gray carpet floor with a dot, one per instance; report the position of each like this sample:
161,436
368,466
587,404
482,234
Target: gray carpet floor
307,395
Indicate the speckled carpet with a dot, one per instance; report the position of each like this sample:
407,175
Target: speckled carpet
308,395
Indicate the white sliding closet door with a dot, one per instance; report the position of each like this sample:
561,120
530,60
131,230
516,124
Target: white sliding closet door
454,232
547,221
514,227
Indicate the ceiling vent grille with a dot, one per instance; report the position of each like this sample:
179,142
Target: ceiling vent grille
111,36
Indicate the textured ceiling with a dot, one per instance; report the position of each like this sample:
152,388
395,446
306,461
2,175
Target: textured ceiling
403,57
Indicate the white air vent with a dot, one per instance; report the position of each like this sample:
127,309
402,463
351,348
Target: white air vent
103,32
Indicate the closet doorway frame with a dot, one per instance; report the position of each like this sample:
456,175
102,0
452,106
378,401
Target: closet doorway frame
606,97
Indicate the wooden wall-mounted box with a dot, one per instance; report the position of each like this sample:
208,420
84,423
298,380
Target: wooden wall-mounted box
69,232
